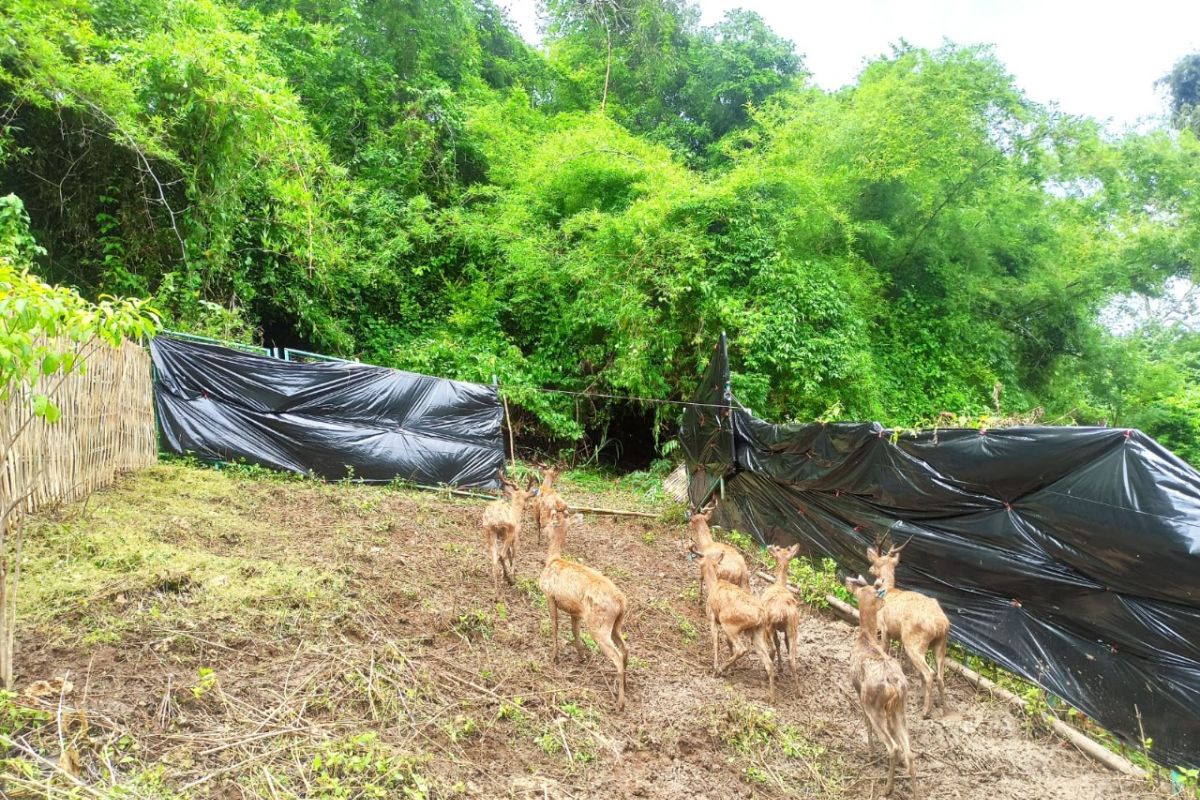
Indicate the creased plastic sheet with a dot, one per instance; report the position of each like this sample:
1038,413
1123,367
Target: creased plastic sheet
331,419
1070,556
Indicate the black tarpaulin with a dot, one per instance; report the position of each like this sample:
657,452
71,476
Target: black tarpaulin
1070,556
331,419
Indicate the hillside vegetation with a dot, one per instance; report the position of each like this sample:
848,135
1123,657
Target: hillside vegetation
412,184
200,634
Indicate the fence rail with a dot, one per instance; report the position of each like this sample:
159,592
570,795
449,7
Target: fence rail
107,427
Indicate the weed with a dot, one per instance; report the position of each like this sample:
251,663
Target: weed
756,735
549,742
815,581
473,624
649,538
758,775
512,710
529,587
362,766
691,593
206,683
460,728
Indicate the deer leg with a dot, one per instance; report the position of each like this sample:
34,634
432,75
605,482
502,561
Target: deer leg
738,646
792,637
716,640
916,654
900,734
494,546
891,781
605,640
939,657
764,652
553,628
579,652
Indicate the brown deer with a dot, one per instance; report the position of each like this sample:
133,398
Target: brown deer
732,567
783,609
735,611
548,499
584,594
879,684
916,621
502,520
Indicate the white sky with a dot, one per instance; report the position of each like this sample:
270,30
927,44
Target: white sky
1098,58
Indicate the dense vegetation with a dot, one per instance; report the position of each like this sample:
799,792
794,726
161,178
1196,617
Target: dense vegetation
412,184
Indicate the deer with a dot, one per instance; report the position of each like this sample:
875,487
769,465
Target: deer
735,611
732,567
878,682
583,593
783,609
916,621
548,499
502,520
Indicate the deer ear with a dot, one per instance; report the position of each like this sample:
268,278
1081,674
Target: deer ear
872,554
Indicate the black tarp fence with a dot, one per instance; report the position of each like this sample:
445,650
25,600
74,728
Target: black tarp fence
334,420
1070,556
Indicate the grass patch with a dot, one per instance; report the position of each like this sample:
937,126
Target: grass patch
772,752
144,557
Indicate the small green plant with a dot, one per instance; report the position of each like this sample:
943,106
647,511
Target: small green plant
649,538
460,728
529,587
474,624
549,742
512,709
817,580
206,683
758,775
362,766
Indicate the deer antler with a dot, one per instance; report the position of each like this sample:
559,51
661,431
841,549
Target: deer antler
893,550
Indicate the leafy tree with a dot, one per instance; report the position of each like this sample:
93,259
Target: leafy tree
1183,89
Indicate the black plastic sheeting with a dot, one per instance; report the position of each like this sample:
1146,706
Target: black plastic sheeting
1070,556
330,419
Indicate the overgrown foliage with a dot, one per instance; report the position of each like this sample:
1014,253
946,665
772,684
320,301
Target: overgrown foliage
414,185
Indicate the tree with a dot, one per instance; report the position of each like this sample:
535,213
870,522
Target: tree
1183,89
47,334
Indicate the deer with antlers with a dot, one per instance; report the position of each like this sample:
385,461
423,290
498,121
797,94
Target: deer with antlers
915,620
879,684
731,566
502,520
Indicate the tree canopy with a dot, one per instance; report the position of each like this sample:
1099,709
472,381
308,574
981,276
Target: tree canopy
414,185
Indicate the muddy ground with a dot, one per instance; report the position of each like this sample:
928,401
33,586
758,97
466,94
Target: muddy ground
394,630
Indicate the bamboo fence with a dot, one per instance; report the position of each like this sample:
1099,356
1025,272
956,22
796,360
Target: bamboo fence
106,428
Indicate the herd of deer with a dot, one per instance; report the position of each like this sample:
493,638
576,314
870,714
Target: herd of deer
886,614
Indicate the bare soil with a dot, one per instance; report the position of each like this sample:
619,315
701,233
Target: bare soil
420,652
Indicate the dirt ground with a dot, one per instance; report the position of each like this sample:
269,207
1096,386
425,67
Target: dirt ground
377,662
